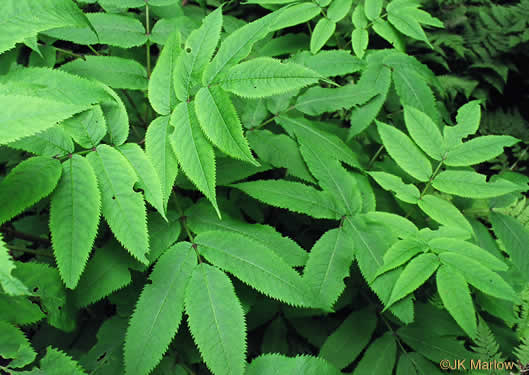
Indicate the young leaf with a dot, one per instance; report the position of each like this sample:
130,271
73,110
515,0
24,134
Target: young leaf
159,150
148,179
321,34
255,264
14,345
123,209
424,132
265,76
339,9
193,151
271,364
360,41
373,8
56,362
405,192
444,212
159,309
317,100
50,142
332,177
514,237
468,119
161,90
116,72
379,358
87,128
295,14
27,183
27,115
329,261
10,284
455,295
20,19
293,196
202,218
237,46
74,218
113,29
216,320
404,152
106,272
346,343
479,150
399,253
414,275
219,121
470,184
198,50
468,249
479,276
321,141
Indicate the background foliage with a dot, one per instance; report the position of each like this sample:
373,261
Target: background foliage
267,187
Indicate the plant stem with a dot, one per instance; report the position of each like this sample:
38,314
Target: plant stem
372,161
434,174
93,50
519,158
273,118
84,152
148,54
27,237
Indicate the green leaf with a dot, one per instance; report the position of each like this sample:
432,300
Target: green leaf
265,76
123,208
479,150
444,212
116,72
318,100
193,151
116,117
279,150
399,253
339,9
332,177
468,249
238,45
10,284
293,196
413,90
329,63
21,310
14,345
359,18
407,18
514,237
255,264
198,50
479,276
55,362
159,150
148,179
470,184
216,320
468,119
112,29
321,33
373,8
424,132
388,32
416,272
346,343
271,364
405,192
360,41
401,149
27,183
74,218
161,90
24,116
322,141
25,19
86,128
295,14
379,358
159,309
51,142
106,272
328,264
455,295
202,218
219,121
